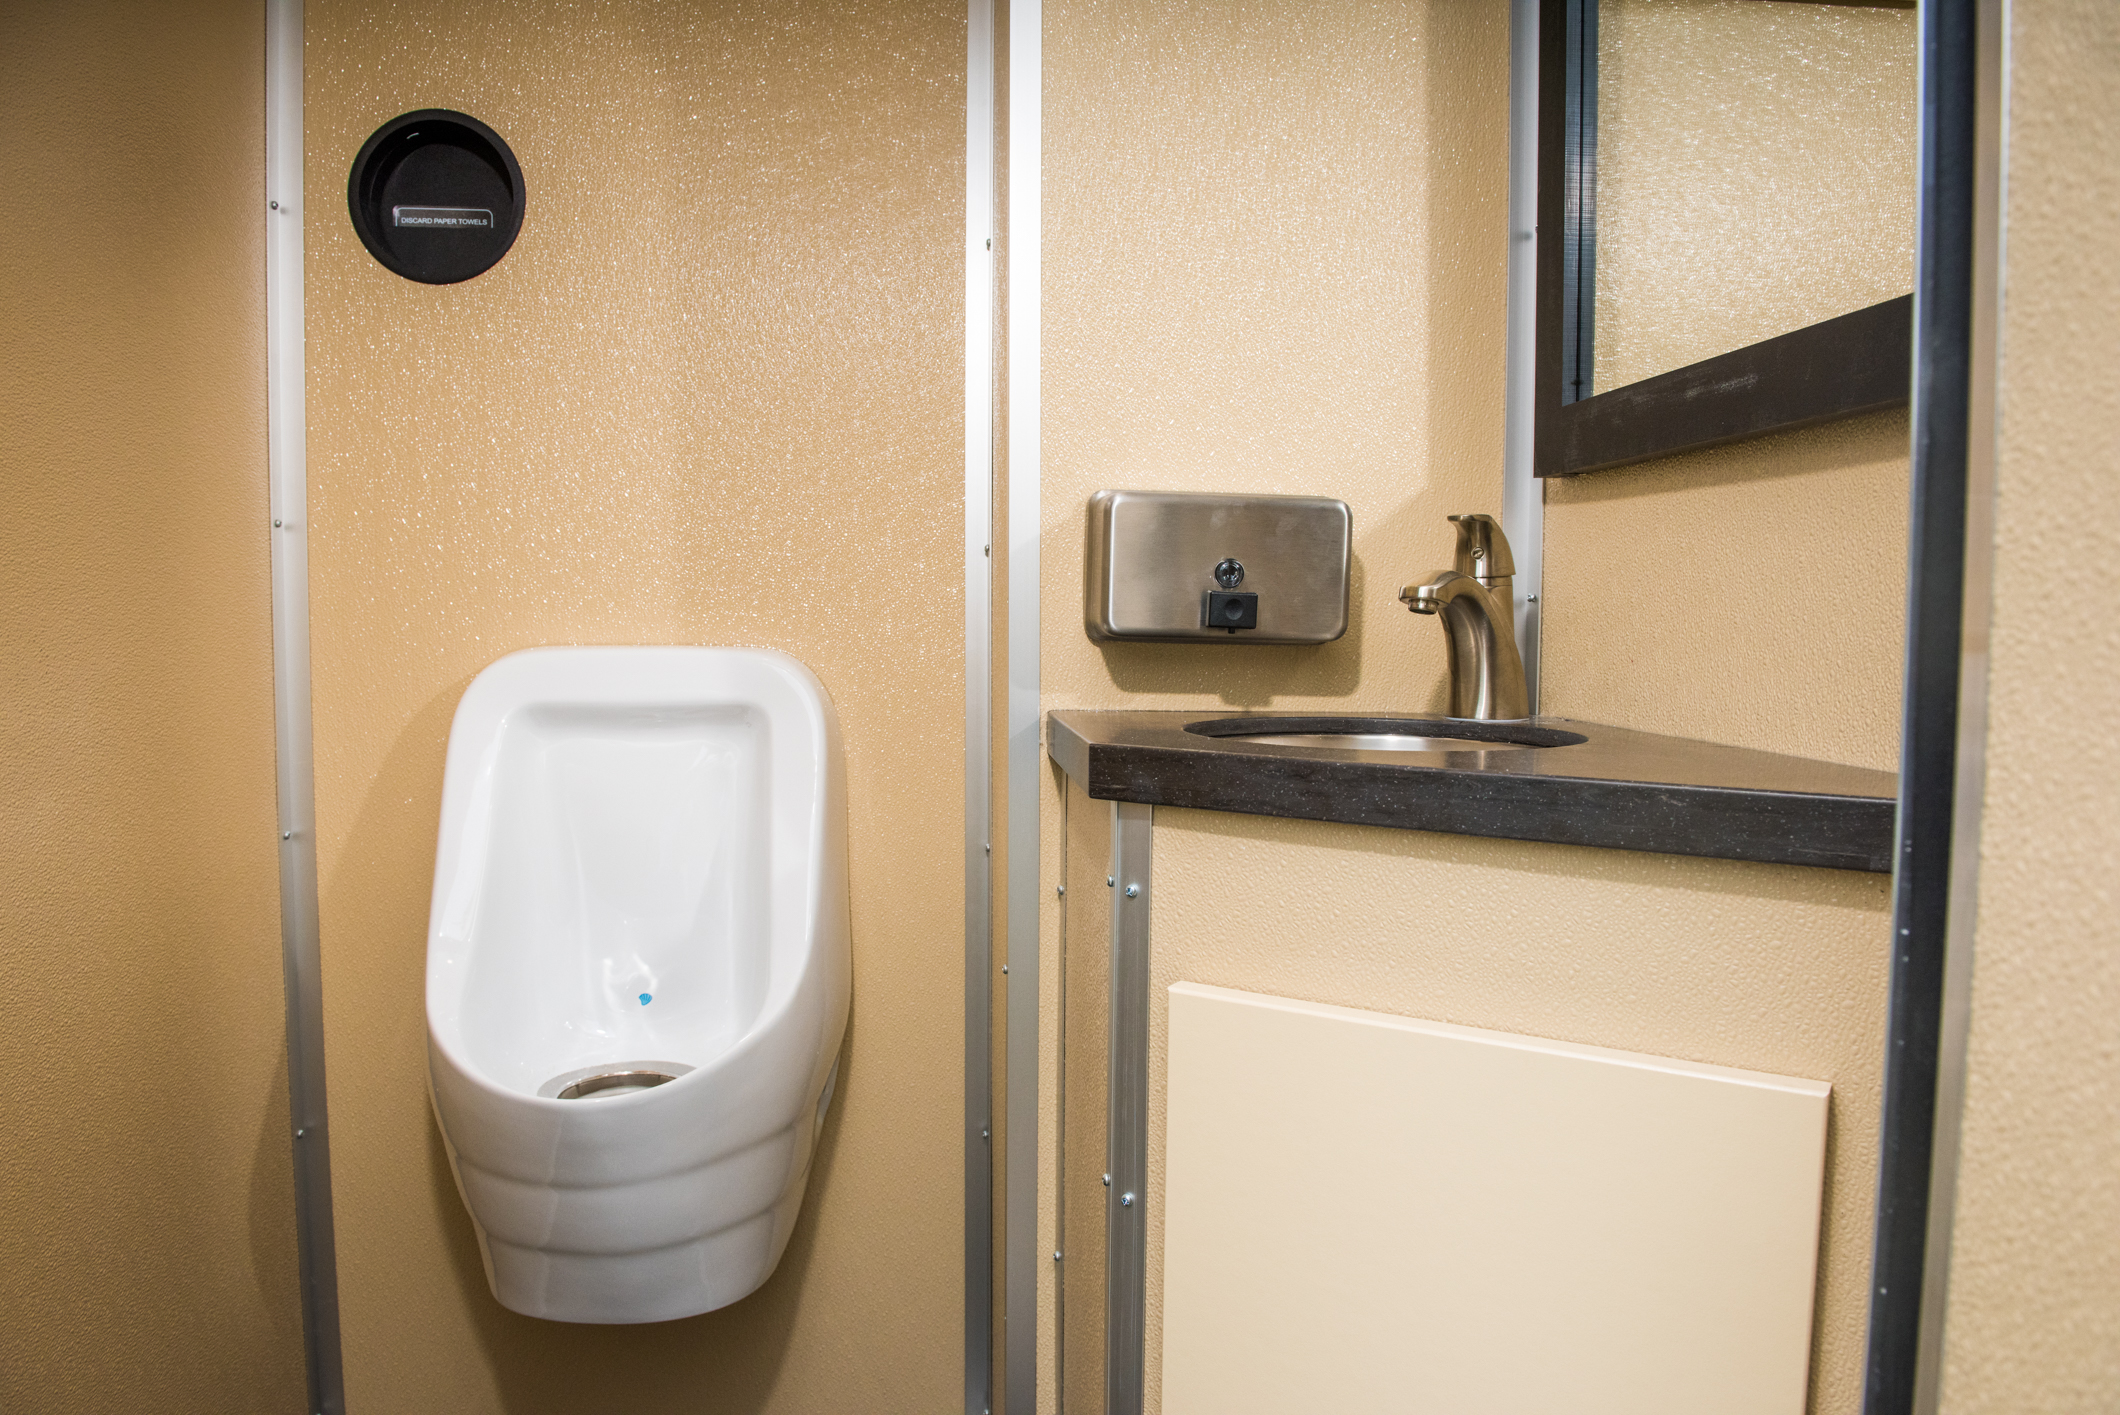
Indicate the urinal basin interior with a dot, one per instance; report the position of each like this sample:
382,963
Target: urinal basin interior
624,873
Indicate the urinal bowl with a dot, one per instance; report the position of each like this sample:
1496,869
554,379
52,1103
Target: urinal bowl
641,869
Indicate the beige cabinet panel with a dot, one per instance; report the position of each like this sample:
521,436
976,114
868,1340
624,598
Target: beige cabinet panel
1370,1212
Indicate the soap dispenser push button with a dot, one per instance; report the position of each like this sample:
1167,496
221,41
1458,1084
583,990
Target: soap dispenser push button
1231,610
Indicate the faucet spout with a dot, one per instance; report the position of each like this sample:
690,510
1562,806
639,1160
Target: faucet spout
1486,671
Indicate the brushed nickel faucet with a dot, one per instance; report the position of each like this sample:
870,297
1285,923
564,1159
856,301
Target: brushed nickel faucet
1486,672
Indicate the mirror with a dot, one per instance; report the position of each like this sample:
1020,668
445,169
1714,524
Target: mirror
1733,184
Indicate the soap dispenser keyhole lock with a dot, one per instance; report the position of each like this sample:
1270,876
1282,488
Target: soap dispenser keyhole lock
1228,608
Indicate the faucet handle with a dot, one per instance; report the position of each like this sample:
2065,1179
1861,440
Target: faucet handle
1482,549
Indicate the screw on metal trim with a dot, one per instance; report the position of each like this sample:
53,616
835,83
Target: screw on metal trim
274,205
1133,890
1109,881
1126,1201
299,1133
1107,1181
1056,1255
1004,967
286,835
986,1134
276,522
1059,889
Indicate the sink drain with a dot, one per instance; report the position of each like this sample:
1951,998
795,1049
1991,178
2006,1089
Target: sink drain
611,1080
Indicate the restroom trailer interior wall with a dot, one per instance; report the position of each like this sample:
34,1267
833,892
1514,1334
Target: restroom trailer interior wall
714,396
1754,593
148,1258
2034,1297
1275,260
1755,175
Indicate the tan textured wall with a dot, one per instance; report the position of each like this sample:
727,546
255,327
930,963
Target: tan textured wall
1082,984
2034,1321
712,396
1754,594
1751,594
147,1255
1755,173
1274,261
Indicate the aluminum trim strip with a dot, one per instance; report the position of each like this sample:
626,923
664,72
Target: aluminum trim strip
1523,493
978,706
1126,1111
1025,753
287,450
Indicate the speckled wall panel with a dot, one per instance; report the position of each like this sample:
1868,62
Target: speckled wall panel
1755,171
1752,594
1083,981
2034,1320
1275,251
1275,255
713,396
1755,174
147,1253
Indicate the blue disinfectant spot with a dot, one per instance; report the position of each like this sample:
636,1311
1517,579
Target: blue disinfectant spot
646,998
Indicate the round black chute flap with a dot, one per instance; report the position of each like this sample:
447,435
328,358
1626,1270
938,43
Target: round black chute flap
436,196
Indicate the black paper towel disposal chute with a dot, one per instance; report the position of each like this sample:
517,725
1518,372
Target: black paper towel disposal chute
436,196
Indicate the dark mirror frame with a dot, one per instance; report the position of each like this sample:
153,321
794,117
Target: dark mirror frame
1838,368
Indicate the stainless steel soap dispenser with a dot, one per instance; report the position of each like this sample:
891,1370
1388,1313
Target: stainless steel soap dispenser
1181,567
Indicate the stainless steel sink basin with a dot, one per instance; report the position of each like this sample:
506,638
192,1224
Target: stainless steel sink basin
1387,734
1378,742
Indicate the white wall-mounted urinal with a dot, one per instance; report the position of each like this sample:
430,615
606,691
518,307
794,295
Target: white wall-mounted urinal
641,875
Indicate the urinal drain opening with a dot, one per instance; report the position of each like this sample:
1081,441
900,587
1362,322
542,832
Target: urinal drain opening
611,1080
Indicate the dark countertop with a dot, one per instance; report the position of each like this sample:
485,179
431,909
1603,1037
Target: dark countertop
1617,789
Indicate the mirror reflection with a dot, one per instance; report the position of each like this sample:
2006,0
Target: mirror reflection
1754,173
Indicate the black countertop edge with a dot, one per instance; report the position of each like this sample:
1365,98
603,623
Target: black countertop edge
1147,758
